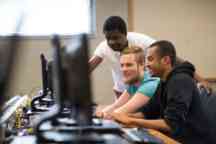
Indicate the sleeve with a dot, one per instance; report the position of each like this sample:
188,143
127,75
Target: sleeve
179,60
179,97
145,41
129,90
152,109
101,49
149,87
148,41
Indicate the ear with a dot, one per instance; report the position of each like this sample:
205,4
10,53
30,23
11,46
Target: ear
142,66
166,60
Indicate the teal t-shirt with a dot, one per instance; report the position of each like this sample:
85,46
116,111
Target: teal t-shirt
147,87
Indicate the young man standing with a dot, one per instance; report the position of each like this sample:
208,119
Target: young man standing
178,107
117,39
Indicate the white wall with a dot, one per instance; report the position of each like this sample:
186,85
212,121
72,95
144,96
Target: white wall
189,24
27,76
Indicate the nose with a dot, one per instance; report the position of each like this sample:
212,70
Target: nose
147,64
111,42
123,68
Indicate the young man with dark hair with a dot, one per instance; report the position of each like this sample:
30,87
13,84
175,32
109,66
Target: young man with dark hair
141,87
117,39
177,108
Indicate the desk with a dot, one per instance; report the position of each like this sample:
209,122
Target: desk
109,136
163,137
166,139
109,139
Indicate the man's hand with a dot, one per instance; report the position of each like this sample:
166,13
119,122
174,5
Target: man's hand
101,113
98,114
123,119
205,84
107,115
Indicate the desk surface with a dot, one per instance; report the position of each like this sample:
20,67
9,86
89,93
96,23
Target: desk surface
166,139
107,139
32,139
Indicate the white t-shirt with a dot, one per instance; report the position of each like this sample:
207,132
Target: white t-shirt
104,51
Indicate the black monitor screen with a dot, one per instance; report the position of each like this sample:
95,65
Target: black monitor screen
7,51
44,73
77,71
72,75
77,86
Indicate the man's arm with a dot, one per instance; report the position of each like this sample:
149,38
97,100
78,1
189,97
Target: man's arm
136,102
197,77
94,62
178,101
158,124
105,112
202,82
118,103
128,121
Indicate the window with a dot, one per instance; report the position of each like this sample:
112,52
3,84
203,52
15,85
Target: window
46,17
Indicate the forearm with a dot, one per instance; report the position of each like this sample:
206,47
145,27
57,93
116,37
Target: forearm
123,99
202,82
134,104
198,77
110,108
158,124
124,109
94,62
136,115
117,104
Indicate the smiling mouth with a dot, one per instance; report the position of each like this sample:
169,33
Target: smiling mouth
150,71
125,74
116,48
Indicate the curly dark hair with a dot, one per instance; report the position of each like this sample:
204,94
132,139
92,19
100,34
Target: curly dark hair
115,23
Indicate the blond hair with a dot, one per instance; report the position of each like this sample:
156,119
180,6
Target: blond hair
138,51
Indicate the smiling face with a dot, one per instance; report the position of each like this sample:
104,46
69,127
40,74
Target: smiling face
116,40
130,68
154,63
161,58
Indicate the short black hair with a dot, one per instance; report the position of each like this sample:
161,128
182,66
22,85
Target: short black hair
115,23
165,48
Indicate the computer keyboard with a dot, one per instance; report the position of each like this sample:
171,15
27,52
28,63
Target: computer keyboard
141,136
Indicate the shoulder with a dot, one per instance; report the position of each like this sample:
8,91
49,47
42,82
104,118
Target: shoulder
102,49
102,44
139,36
140,39
180,77
181,81
150,82
149,86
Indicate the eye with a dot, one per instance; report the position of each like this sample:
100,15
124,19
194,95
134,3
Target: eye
150,58
129,65
122,65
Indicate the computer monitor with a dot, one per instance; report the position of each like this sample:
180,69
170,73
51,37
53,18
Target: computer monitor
8,45
71,77
49,78
46,87
57,72
77,78
44,73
